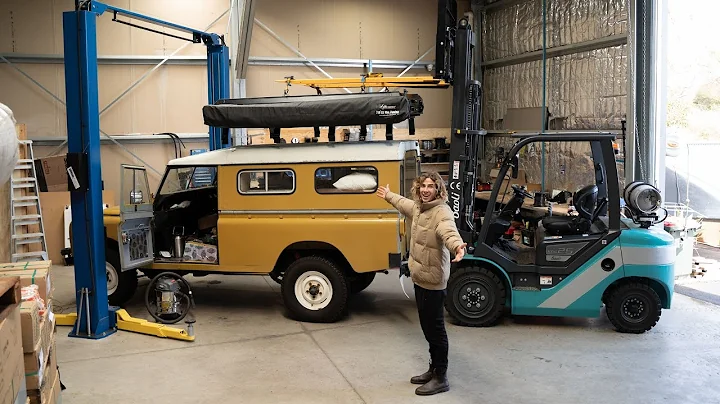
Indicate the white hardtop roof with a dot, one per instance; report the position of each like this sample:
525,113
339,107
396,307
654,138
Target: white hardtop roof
286,153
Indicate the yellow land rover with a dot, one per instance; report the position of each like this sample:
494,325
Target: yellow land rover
305,214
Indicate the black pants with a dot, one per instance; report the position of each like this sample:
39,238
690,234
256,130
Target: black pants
431,309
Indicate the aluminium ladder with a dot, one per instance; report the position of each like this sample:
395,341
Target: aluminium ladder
24,196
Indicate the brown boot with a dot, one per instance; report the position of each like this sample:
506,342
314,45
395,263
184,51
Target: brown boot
437,384
423,378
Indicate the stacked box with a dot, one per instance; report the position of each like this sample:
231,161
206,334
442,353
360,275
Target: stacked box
31,273
42,336
37,323
12,382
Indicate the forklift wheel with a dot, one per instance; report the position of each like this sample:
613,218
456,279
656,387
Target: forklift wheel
476,297
633,308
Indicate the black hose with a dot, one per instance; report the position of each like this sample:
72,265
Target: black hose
187,297
175,139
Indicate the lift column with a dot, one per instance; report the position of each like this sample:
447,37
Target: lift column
218,65
94,319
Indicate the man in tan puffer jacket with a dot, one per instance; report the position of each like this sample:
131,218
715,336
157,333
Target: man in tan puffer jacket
433,235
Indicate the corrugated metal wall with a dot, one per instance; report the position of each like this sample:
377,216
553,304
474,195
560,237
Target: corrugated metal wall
588,89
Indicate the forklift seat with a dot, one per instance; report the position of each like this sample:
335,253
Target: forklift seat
584,200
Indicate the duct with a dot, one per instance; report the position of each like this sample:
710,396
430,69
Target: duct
568,22
586,90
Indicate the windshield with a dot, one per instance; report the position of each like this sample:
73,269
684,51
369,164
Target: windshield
185,178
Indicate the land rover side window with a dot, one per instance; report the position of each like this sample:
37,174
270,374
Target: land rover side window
185,178
346,180
266,182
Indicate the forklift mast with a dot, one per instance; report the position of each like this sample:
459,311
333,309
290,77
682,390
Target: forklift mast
454,63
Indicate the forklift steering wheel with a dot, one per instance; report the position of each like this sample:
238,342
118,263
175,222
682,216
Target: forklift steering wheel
521,191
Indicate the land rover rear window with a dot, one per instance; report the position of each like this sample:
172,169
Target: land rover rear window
252,182
346,180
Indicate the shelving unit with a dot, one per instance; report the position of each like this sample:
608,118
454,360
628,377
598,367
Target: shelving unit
441,167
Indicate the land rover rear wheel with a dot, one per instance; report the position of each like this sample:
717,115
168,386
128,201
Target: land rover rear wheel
315,290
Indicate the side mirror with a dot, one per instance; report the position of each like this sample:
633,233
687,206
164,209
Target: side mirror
514,163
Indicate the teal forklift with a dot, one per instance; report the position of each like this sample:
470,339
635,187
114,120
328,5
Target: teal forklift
565,265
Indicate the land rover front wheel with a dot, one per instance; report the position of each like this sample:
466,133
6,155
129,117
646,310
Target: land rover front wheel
315,290
121,286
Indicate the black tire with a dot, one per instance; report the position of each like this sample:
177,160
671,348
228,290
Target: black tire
121,285
486,291
633,308
322,272
360,282
150,295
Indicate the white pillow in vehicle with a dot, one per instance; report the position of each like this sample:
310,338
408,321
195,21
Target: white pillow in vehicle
356,182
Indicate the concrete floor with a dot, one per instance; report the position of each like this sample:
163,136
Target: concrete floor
248,351
707,286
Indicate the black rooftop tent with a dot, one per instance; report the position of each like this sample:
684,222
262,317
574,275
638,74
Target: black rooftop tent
313,111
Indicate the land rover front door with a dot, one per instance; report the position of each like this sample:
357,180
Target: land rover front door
135,240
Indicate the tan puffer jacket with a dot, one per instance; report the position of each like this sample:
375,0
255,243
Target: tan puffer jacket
433,236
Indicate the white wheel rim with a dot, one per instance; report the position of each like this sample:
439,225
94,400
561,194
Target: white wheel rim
112,278
313,290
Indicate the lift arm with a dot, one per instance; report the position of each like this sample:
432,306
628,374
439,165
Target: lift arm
218,55
197,35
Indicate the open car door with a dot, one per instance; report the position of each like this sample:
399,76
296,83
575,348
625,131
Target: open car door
136,213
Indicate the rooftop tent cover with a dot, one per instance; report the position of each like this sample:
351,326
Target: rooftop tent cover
308,111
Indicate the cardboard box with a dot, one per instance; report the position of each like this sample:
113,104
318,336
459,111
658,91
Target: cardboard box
49,391
37,328
52,173
49,394
11,363
31,273
30,324
22,397
199,252
36,362
64,172
15,391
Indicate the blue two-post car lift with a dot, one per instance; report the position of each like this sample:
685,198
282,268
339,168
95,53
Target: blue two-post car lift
95,318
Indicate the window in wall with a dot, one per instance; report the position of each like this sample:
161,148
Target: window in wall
346,180
266,182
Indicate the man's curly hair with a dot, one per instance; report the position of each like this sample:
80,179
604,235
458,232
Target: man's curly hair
439,184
